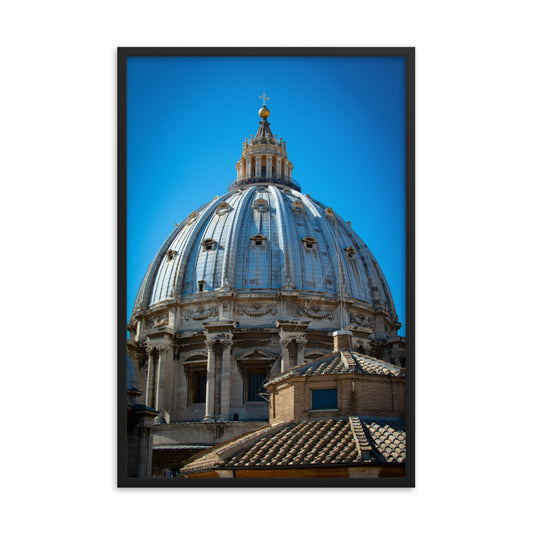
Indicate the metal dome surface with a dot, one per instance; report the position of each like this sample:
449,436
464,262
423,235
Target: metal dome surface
265,238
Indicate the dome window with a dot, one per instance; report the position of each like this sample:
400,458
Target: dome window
298,206
258,239
208,244
350,252
201,285
261,205
309,243
171,254
330,213
223,208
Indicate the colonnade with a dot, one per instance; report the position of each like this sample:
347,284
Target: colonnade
157,357
276,167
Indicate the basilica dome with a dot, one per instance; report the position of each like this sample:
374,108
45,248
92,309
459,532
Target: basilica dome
263,240
256,281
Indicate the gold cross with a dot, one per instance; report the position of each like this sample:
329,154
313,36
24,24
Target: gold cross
264,97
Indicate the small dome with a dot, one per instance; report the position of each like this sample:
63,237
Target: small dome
131,379
264,112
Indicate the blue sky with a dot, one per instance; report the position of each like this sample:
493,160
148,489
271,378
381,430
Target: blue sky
343,120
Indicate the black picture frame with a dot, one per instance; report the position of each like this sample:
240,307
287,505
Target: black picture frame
123,53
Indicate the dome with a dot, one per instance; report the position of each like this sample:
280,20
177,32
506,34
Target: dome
265,238
255,282
131,376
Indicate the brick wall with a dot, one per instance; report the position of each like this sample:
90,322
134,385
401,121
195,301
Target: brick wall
356,395
282,404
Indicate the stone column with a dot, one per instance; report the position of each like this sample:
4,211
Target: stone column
172,318
301,341
157,380
269,166
225,389
284,341
286,169
211,385
257,166
249,167
278,167
149,377
379,325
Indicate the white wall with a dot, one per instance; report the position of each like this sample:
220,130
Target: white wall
58,168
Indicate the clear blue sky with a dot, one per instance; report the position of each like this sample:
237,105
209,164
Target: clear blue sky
343,120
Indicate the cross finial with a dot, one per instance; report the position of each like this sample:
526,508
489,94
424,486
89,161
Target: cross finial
264,97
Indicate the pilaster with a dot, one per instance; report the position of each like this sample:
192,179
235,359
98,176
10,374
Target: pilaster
218,331
292,330
210,386
269,166
226,377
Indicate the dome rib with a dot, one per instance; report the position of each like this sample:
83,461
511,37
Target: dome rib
285,240
228,273
188,244
238,280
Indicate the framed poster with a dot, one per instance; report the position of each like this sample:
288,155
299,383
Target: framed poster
266,267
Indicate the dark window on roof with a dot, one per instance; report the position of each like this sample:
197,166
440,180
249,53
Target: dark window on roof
324,399
201,286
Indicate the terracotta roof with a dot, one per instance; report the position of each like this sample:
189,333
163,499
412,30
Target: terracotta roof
341,441
342,363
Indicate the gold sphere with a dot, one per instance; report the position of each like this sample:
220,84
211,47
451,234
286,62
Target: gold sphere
264,112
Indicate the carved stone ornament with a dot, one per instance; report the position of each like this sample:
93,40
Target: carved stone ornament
257,310
360,320
314,311
158,321
201,313
158,349
225,339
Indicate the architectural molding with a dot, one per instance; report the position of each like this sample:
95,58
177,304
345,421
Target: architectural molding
316,312
257,310
201,313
